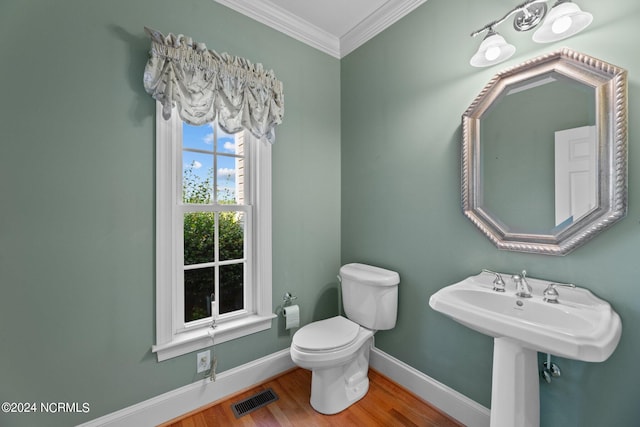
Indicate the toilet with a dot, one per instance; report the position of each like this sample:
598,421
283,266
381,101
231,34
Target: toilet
336,350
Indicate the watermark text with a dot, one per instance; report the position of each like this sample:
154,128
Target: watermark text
46,407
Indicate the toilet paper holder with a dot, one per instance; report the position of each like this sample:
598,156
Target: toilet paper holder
287,299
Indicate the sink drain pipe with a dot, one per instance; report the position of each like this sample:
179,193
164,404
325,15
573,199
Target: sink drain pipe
549,370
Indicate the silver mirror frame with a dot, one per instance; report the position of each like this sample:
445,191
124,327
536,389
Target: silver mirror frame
610,84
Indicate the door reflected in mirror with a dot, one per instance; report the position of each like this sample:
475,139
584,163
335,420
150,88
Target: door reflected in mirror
576,174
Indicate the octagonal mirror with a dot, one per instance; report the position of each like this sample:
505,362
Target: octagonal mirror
544,153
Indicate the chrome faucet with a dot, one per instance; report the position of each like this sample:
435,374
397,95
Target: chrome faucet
551,293
523,290
498,283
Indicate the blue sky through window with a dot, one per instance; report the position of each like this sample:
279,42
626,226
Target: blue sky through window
201,138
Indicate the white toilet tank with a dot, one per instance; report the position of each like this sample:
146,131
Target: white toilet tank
370,295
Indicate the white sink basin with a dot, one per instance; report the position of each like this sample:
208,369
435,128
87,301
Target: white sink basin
581,326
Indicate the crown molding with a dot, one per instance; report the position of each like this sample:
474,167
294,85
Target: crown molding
375,23
304,31
287,23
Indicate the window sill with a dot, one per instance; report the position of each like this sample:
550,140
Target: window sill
187,342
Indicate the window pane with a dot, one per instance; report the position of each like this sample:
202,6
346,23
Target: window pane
231,288
227,143
199,237
198,287
231,228
230,173
197,177
198,137
227,189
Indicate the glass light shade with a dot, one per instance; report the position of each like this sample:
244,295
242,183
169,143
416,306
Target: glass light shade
564,20
493,50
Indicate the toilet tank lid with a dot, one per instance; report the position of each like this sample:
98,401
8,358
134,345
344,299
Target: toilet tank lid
369,274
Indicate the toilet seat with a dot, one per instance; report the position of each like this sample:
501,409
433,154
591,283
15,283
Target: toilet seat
326,335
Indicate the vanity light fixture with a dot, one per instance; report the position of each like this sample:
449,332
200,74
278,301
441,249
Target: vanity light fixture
563,20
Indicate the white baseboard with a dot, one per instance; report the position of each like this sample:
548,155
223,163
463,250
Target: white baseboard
447,400
180,401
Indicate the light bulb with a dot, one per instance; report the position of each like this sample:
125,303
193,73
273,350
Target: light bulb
561,24
492,53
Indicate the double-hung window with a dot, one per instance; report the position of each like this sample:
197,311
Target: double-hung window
213,235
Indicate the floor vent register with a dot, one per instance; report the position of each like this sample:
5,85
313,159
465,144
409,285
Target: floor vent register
254,402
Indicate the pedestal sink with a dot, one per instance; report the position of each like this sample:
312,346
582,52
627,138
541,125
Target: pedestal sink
579,326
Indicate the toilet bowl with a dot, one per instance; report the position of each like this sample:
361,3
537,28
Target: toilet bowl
337,349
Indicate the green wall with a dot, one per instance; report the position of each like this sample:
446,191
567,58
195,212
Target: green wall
403,94
77,161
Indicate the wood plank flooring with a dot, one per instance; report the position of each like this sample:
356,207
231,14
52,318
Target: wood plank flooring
386,404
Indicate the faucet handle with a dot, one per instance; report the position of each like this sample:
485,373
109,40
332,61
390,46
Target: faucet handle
566,285
551,294
498,283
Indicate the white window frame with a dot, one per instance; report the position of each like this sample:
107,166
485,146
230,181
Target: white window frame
172,339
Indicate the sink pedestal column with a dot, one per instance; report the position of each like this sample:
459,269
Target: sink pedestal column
515,389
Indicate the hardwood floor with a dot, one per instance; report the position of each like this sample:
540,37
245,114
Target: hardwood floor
386,404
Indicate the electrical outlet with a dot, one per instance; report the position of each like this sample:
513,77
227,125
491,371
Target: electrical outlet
204,361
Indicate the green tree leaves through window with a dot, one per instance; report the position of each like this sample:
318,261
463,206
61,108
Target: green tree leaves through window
200,238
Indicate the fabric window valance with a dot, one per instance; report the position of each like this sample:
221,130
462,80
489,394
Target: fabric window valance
204,86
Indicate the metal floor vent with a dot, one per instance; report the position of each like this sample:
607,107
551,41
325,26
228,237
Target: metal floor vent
254,402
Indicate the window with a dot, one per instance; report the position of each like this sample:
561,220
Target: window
213,235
